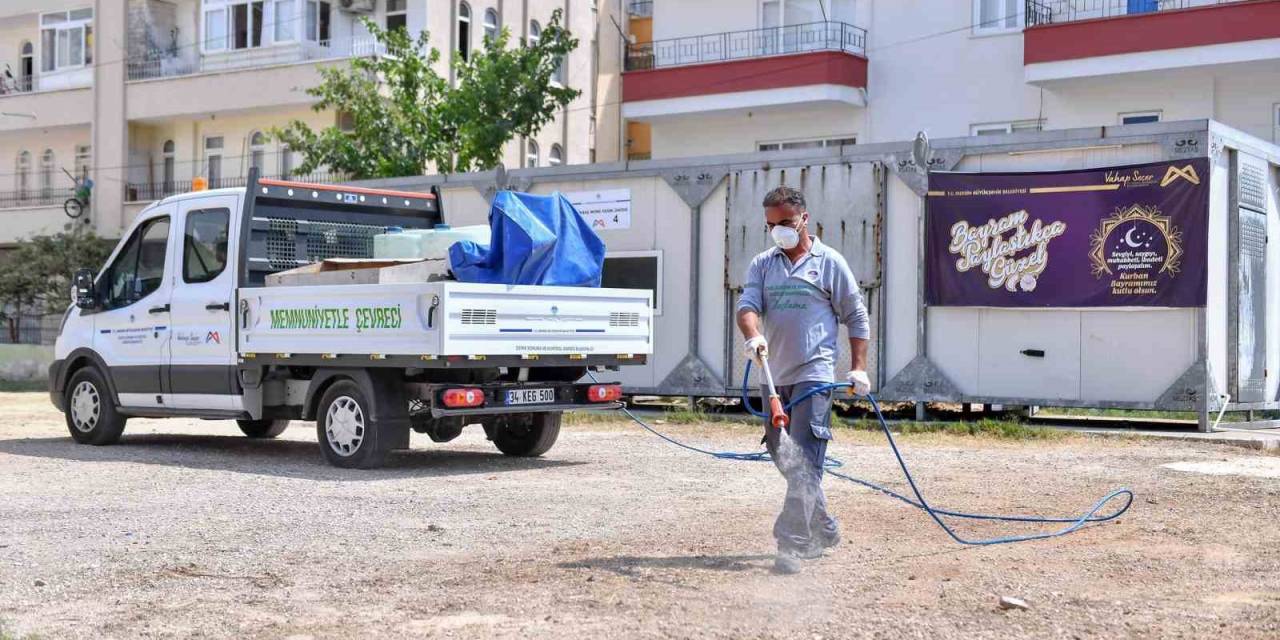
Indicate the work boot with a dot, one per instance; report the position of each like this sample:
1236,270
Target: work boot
787,563
831,541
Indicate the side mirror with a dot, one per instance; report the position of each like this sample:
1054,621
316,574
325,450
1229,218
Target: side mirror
85,296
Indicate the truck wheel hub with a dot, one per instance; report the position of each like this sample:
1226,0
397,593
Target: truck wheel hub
344,425
85,406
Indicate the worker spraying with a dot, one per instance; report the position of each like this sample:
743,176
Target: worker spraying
803,290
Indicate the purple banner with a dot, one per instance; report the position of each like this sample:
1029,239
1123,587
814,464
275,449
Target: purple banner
1123,236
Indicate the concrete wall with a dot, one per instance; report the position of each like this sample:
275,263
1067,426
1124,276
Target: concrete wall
740,131
24,362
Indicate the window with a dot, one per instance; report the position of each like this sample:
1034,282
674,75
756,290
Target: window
996,16
66,39
396,15
46,173
817,143
558,76
26,66
285,20
167,170
317,23
138,269
1139,117
490,24
531,155
238,25
22,174
535,31
204,245
213,160
634,270
464,30
84,154
257,151
215,30
286,161
1001,128
556,157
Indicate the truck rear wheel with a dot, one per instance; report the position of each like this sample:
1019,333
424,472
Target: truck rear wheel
263,428
345,428
527,435
91,414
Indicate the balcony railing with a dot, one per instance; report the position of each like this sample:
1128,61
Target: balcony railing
640,9
1059,11
146,191
160,64
755,43
37,197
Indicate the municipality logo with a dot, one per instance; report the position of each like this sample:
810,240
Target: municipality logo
1173,173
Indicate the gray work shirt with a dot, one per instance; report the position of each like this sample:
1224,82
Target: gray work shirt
802,306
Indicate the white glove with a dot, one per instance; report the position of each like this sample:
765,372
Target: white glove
861,383
756,348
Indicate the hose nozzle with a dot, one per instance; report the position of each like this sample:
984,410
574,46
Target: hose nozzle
777,417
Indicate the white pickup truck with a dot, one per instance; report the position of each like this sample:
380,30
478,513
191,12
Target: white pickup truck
180,322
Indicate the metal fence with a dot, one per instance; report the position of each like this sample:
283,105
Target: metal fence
164,64
1059,11
146,191
30,329
35,197
753,43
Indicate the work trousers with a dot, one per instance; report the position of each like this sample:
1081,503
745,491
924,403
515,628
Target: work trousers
799,453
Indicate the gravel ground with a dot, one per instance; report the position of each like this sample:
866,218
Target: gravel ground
186,530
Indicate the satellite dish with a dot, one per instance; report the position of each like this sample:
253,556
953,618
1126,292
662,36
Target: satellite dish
920,152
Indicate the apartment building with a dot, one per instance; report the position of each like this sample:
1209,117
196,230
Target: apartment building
724,76
145,95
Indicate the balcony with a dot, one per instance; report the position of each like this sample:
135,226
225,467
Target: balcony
813,62
162,64
1068,39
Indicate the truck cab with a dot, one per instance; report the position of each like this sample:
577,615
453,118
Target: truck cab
181,322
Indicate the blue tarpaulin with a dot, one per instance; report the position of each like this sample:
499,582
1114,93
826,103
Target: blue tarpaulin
535,240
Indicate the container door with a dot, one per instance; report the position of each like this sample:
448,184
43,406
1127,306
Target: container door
1250,374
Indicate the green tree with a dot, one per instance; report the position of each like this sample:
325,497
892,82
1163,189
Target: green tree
404,117
36,275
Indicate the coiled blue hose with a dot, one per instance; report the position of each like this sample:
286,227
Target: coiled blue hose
831,465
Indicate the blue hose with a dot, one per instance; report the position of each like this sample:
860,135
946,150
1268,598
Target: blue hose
831,465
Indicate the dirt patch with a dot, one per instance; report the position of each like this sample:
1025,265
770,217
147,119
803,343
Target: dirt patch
186,529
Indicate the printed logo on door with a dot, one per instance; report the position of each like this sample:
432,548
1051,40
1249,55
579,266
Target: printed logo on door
213,337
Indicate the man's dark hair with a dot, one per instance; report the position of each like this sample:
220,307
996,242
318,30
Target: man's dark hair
784,195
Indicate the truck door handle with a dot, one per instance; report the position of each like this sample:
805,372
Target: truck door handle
160,309
218,306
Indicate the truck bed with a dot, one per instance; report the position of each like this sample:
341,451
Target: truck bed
444,320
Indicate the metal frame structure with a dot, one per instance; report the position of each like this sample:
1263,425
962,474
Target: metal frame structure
694,179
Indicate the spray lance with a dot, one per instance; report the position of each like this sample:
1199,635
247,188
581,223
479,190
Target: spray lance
777,416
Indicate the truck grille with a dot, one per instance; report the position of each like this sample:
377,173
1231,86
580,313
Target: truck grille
479,316
624,319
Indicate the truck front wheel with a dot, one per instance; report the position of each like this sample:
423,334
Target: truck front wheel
529,434
91,415
344,426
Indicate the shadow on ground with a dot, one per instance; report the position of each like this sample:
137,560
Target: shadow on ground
281,458
633,566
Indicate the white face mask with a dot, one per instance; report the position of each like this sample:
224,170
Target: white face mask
785,237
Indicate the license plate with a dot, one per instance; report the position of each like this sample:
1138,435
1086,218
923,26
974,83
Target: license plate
531,396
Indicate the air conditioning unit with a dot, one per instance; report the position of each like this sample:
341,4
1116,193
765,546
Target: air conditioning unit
356,6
